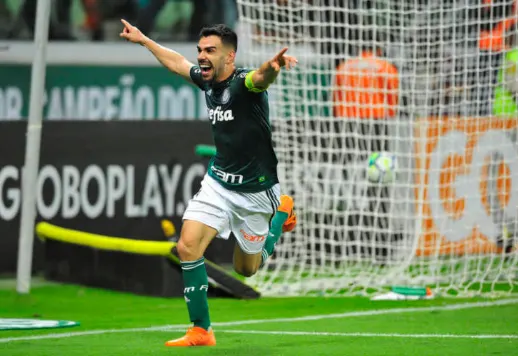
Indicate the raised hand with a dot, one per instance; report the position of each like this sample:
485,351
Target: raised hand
131,33
282,60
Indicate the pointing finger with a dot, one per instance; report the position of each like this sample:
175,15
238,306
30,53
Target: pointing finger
281,53
126,23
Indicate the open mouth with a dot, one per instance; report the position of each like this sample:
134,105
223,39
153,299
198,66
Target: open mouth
205,69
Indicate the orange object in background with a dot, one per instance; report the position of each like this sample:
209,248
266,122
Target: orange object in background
366,87
494,40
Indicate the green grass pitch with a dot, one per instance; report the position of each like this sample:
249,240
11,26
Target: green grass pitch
124,324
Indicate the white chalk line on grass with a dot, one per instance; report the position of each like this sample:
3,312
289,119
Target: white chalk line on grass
372,313
410,336
277,320
90,332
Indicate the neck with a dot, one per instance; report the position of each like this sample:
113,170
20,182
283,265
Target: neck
226,74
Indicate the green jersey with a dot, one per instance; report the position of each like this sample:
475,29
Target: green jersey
245,160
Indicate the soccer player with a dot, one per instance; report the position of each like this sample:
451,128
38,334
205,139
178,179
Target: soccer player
240,193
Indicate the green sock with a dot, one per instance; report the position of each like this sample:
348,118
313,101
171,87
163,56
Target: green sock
273,235
196,285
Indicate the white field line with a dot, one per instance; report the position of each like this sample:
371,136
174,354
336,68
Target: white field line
410,336
371,313
278,320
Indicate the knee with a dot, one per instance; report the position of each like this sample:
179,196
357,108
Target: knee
245,271
188,251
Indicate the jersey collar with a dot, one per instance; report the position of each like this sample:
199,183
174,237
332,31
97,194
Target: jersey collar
225,82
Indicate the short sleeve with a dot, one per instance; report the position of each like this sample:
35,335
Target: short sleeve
241,77
244,79
196,77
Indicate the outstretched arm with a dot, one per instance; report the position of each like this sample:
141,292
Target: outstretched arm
267,73
170,59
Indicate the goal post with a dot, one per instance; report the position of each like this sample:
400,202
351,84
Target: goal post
450,218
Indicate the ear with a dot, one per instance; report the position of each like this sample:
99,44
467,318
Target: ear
231,57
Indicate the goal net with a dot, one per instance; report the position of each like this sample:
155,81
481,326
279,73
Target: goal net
449,218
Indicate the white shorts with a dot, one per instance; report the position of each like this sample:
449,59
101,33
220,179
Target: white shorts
246,215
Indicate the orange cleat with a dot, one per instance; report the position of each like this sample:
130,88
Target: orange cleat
286,206
195,336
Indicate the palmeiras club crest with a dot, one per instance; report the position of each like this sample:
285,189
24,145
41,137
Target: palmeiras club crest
225,97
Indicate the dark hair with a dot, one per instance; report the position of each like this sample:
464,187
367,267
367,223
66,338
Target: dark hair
227,35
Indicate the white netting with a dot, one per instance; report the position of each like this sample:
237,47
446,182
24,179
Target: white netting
456,194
